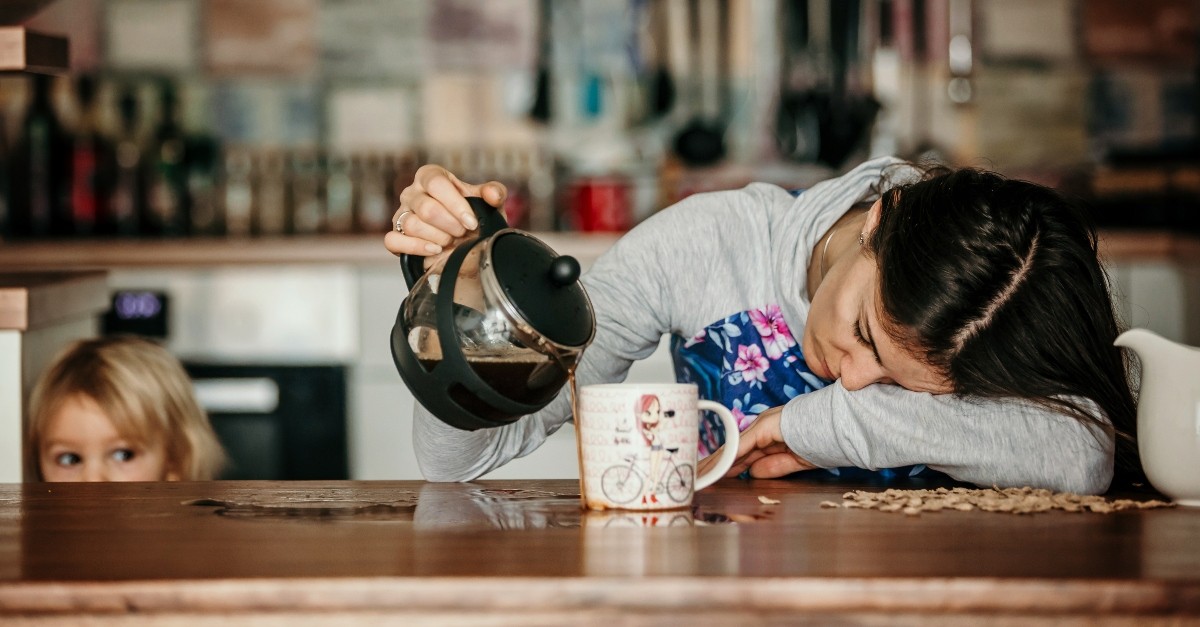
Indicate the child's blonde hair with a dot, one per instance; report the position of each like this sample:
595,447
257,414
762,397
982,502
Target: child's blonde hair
143,390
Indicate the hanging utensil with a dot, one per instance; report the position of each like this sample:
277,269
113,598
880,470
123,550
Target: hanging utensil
661,92
851,112
803,97
701,142
541,108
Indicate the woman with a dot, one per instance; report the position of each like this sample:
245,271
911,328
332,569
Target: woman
955,320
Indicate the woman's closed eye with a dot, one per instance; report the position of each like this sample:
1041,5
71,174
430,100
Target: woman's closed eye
862,339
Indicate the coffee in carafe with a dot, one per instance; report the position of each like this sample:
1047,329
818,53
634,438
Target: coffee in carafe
523,378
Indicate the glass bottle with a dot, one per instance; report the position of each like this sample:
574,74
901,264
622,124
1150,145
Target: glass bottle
374,211
5,159
270,195
339,195
38,169
239,192
93,160
203,165
306,192
166,187
128,191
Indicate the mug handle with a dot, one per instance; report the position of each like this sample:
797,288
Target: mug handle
728,452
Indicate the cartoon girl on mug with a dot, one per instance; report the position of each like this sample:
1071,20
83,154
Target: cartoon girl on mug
649,416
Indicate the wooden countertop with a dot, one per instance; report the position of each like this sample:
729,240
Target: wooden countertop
1116,245
31,300
522,552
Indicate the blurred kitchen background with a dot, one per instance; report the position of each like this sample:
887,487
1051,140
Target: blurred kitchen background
231,164
236,118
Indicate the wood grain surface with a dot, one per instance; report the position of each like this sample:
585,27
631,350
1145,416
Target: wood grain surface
522,552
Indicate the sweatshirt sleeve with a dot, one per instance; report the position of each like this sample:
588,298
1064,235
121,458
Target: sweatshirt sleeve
1006,442
634,289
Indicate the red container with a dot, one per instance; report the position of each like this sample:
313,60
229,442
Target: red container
601,204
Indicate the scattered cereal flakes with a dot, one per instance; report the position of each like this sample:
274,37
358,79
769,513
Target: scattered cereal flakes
1024,500
768,500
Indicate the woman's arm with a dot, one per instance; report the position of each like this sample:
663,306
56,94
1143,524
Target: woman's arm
983,441
676,269
633,297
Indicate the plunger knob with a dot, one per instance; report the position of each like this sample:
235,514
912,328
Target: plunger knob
564,271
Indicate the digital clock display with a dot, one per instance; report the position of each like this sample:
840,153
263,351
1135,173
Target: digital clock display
137,305
137,312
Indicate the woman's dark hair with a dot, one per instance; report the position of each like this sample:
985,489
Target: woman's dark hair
997,283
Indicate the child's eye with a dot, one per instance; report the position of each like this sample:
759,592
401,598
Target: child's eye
123,455
67,459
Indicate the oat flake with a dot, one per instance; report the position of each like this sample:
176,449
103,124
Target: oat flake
1024,500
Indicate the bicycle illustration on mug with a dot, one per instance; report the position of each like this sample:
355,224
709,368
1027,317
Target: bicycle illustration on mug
623,483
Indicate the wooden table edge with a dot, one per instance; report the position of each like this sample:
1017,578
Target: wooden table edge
612,593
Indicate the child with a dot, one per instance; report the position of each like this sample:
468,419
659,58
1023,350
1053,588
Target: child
119,409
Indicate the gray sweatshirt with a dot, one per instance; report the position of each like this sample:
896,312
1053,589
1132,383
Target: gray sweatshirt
715,254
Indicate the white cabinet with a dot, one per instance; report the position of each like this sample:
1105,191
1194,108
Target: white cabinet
380,427
40,313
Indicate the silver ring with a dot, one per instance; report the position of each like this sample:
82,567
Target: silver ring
399,223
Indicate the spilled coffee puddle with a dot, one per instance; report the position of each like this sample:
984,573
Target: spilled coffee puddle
717,518
311,510
474,509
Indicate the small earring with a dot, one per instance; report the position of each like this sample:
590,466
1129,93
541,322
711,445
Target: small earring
862,239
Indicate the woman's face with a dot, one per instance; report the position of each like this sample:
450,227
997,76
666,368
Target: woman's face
844,338
81,444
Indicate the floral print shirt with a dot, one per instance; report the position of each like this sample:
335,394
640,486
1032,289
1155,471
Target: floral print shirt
750,362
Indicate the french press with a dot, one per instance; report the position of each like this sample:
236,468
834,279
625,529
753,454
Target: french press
491,332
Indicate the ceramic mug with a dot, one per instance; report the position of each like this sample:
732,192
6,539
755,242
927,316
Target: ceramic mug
639,441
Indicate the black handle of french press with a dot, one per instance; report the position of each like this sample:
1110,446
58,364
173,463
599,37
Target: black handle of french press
490,221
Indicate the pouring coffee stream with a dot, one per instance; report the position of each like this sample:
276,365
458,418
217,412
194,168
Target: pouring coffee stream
493,331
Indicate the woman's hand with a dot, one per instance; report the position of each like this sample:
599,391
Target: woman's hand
434,215
761,449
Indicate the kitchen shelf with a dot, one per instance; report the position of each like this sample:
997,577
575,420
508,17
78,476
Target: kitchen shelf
34,300
23,50
1115,245
289,250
